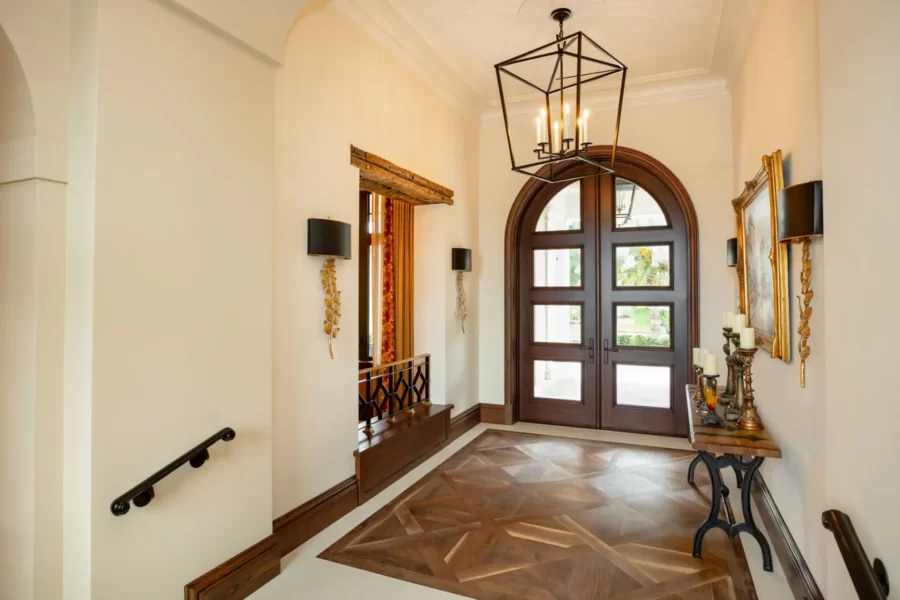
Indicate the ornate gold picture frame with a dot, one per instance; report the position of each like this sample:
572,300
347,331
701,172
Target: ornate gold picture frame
762,268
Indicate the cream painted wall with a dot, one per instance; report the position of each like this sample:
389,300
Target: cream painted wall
32,261
691,137
172,295
339,87
776,105
859,44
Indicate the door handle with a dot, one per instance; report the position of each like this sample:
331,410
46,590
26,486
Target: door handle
591,350
606,351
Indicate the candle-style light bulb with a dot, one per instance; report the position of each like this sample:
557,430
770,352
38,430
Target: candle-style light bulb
567,121
539,132
579,130
557,140
584,131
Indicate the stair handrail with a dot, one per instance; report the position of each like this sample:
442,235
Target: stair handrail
869,579
143,493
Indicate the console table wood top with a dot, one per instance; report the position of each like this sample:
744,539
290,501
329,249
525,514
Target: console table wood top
717,440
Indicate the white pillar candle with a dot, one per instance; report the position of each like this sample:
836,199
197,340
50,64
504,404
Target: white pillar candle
710,366
697,356
729,317
738,322
748,338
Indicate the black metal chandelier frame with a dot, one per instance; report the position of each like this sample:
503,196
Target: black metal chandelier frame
572,46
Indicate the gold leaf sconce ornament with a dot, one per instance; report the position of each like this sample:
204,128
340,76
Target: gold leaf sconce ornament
461,261
332,303
330,239
801,218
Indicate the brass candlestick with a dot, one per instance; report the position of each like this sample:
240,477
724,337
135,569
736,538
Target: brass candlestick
727,396
698,393
734,409
749,418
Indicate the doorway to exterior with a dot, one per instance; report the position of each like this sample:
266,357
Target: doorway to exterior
601,312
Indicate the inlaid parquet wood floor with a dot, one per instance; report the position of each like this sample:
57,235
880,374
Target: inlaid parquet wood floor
529,517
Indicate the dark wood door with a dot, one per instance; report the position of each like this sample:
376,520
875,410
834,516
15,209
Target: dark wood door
643,305
604,335
558,317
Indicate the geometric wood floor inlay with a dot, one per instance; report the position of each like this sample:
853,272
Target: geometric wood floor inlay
531,517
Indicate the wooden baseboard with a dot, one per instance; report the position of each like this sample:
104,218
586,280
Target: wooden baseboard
799,577
497,414
464,421
299,525
237,578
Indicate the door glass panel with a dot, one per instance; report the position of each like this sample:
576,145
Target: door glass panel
563,212
557,380
642,266
635,207
558,267
643,326
642,385
557,323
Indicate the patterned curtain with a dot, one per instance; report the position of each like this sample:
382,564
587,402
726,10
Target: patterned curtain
403,233
388,341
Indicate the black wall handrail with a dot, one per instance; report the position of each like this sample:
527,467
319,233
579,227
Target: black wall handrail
870,580
143,493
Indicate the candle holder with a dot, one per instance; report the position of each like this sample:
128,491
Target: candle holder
749,418
710,397
698,393
731,337
733,411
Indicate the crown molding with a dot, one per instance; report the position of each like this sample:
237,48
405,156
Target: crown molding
653,90
380,20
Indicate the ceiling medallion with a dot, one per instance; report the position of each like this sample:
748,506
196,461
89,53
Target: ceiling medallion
554,74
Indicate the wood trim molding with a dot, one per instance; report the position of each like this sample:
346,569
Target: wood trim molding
799,577
238,577
497,414
383,177
464,421
513,232
301,524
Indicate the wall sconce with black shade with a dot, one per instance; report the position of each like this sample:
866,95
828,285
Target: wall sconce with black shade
731,252
330,239
800,219
461,261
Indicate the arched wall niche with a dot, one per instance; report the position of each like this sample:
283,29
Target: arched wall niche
17,119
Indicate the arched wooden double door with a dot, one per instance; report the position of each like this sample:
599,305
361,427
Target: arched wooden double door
604,284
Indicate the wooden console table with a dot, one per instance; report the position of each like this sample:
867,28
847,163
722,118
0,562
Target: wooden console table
722,448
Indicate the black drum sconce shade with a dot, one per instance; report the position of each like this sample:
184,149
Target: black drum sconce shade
461,259
800,219
731,252
800,211
328,238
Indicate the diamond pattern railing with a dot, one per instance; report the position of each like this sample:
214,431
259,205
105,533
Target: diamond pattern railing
386,391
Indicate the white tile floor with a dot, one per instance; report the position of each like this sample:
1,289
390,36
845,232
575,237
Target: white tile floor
305,577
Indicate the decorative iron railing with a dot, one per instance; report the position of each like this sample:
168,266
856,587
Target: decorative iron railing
388,390
869,579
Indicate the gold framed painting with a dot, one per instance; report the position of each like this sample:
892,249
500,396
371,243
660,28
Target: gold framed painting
763,263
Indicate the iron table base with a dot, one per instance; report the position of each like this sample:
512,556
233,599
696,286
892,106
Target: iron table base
745,472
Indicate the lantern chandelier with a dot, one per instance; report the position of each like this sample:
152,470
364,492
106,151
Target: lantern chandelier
558,72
